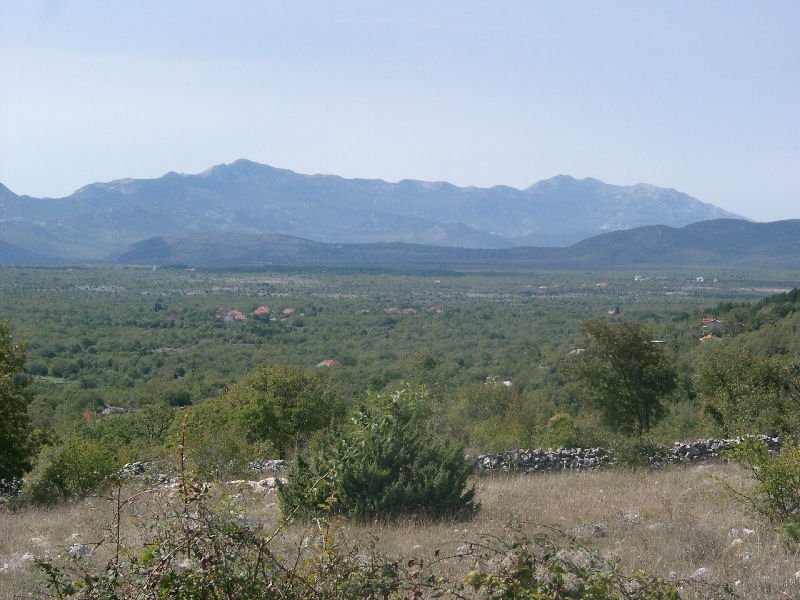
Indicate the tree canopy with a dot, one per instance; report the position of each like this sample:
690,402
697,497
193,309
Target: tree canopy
283,405
626,374
16,439
745,393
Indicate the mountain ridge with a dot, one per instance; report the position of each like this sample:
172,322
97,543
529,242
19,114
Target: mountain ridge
721,242
248,197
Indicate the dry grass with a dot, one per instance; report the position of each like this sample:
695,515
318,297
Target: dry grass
670,523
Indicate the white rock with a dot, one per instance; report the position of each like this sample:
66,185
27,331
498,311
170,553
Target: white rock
631,517
23,561
79,550
702,574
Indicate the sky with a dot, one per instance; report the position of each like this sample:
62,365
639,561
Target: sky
702,97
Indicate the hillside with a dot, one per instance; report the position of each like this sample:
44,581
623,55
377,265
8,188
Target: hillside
726,242
247,197
10,254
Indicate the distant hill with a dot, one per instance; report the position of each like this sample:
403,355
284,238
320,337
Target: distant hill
724,242
721,242
249,198
14,255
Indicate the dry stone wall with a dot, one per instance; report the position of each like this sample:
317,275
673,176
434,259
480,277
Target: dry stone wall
583,459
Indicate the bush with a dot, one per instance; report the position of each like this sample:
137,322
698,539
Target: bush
215,437
776,494
537,568
638,452
387,464
744,393
284,406
73,470
561,432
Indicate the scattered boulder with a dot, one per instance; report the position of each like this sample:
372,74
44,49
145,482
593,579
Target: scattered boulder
23,562
79,550
631,517
135,469
269,465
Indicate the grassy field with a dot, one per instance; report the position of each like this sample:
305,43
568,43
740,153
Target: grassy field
676,523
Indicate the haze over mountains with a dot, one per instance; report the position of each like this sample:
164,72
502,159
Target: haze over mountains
249,198
721,243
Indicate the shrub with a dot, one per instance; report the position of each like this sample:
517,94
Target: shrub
284,406
776,494
77,468
387,464
215,438
744,393
546,568
561,431
638,452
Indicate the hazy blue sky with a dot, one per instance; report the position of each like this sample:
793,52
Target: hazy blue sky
700,96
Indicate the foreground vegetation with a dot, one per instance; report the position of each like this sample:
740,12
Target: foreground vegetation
677,525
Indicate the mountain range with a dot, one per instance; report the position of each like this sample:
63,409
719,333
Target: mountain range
245,197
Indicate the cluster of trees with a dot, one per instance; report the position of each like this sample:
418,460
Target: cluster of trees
386,462
107,337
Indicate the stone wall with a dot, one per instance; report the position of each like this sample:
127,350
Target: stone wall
583,459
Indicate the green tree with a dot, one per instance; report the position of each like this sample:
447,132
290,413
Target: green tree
284,405
17,444
74,469
389,463
626,375
214,437
743,392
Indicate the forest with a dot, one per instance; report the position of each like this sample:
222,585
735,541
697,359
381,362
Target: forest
132,338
